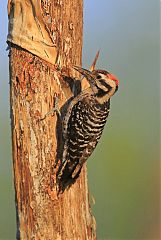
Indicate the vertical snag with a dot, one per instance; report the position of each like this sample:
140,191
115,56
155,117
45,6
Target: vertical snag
34,79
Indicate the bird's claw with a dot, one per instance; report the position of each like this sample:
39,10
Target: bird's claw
55,108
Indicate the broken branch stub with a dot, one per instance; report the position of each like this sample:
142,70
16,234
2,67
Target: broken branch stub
84,83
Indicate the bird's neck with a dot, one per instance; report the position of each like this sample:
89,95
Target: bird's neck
102,97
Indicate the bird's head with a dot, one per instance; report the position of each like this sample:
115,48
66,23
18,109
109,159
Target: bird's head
103,83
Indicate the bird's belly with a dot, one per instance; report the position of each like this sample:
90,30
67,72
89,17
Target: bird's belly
85,133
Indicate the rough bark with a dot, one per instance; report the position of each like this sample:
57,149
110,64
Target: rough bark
33,83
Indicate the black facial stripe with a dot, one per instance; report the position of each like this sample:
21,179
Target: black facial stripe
103,82
98,77
116,88
101,93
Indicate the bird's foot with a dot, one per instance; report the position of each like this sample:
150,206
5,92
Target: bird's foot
55,108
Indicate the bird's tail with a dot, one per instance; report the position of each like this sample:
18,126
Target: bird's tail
67,174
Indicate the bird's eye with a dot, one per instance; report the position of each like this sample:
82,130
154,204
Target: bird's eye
98,77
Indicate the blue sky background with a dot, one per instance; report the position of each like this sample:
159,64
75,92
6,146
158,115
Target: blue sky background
123,172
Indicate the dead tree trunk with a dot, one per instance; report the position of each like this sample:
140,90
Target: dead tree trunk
46,40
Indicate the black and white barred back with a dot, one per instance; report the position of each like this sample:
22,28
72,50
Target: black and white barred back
84,122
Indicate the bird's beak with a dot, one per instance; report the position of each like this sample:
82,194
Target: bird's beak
86,73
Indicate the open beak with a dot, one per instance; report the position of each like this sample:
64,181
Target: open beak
86,73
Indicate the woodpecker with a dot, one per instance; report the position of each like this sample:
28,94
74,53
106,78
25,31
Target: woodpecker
84,122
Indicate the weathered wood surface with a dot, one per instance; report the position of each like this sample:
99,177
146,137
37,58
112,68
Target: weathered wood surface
33,83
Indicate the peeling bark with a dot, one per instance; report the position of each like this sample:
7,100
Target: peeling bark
33,83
